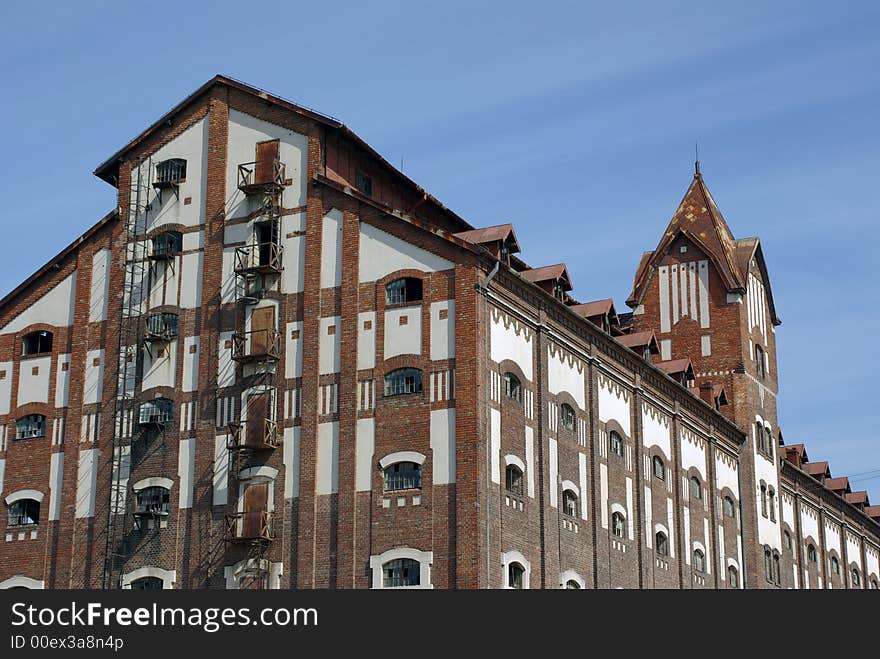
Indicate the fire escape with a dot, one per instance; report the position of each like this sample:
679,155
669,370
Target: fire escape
257,348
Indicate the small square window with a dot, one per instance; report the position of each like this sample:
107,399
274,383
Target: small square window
192,349
96,361
35,370
364,183
444,314
227,344
294,335
331,329
2,375
65,366
404,320
368,324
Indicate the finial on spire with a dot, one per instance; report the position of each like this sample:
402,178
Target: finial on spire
696,158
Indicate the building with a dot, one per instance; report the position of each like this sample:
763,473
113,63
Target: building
280,363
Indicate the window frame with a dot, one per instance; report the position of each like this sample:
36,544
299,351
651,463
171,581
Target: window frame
567,417
695,488
390,390
402,563
512,387
513,469
30,511
661,543
616,517
41,336
812,554
417,478
656,462
615,446
396,291
570,497
760,364
517,570
699,560
728,507
20,424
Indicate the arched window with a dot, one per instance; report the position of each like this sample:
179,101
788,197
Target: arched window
571,584
835,565
512,387
24,512
403,476
569,503
403,381
759,437
728,507
662,543
699,560
786,536
696,490
617,522
768,565
777,570
763,500
567,416
771,496
515,576
172,170
811,553
732,577
513,480
166,245
759,361
35,343
32,425
659,468
401,572
401,291
147,583
615,442
152,501
874,584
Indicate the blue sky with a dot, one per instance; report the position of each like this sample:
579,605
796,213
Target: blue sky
575,121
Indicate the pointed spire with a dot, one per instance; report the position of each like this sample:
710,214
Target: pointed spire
696,159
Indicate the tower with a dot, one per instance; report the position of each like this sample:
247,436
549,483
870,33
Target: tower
707,296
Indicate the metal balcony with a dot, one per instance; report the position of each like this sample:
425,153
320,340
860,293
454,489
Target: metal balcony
250,526
256,346
259,258
161,327
238,437
261,177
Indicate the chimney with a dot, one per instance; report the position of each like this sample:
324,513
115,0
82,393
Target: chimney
707,393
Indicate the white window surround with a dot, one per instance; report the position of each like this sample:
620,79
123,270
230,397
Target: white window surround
514,556
568,485
571,575
233,573
153,481
617,508
262,471
424,558
658,527
168,577
515,461
401,456
19,581
24,494
732,563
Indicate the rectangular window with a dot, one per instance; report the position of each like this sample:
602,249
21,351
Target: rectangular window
364,183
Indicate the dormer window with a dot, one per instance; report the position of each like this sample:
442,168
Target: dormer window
171,171
404,290
36,343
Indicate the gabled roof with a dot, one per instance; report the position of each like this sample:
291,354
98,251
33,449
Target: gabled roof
838,484
107,170
597,308
499,232
640,340
549,273
719,393
700,221
817,469
873,511
676,366
859,498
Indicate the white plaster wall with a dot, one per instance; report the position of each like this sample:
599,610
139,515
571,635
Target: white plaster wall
873,564
225,365
293,351
221,471
191,145
768,532
291,462
403,339
809,523
530,461
443,330
692,455
566,374
191,267
328,350
832,538
186,460
380,254
227,276
100,286
443,445
244,133
554,472
509,340
56,476
726,475
34,388
294,255
94,380
331,249
62,381
327,467
657,431
6,387
86,478
190,364
54,308
495,444
854,551
614,403
159,371
365,445
366,349
787,511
